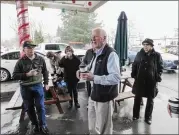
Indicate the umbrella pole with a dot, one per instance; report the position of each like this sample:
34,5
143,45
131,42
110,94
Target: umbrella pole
121,70
120,83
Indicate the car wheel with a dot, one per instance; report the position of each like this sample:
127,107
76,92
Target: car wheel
5,75
173,71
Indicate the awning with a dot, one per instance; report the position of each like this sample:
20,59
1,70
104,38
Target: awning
83,6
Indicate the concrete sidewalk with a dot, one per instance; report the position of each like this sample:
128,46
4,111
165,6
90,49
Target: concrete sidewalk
8,89
76,121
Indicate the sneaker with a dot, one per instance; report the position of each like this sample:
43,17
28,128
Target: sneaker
44,130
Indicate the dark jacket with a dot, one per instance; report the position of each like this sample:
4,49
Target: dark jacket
24,65
55,65
103,93
88,56
70,67
147,70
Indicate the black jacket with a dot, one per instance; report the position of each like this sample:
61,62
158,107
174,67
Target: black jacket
147,70
24,65
70,67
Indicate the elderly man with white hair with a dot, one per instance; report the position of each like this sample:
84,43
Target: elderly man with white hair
104,75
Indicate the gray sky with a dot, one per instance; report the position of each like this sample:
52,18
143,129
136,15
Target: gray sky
152,18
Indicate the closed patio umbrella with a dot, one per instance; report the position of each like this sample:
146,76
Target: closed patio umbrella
121,40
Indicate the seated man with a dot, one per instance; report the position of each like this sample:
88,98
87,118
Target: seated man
29,70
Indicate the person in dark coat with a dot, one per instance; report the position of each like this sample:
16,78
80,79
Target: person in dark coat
71,63
146,70
86,60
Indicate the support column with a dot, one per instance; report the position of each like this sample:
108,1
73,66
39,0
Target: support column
23,22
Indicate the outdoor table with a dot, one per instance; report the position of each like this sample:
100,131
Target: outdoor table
16,101
122,94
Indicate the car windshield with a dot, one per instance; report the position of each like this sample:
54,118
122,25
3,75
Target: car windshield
55,47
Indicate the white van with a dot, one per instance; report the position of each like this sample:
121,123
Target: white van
54,47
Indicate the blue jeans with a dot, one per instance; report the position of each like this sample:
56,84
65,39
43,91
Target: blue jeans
34,96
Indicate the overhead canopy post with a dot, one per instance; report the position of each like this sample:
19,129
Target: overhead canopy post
23,22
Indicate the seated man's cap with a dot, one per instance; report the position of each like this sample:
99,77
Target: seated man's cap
29,43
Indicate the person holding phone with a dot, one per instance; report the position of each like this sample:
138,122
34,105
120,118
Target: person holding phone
30,69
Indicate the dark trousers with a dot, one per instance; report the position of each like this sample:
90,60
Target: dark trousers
72,89
148,109
33,96
88,87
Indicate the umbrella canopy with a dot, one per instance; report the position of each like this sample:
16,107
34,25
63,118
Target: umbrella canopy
121,40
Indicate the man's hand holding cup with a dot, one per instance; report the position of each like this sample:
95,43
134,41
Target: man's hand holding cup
83,69
84,73
87,76
32,72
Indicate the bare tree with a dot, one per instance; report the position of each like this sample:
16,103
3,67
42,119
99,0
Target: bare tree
13,25
32,26
112,36
131,33
48,38
141,37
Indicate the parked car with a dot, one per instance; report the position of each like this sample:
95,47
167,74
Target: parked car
132,52
54,47
8,62
173,50
170,61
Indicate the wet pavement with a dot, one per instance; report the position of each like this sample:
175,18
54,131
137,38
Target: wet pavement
7,89
76,122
